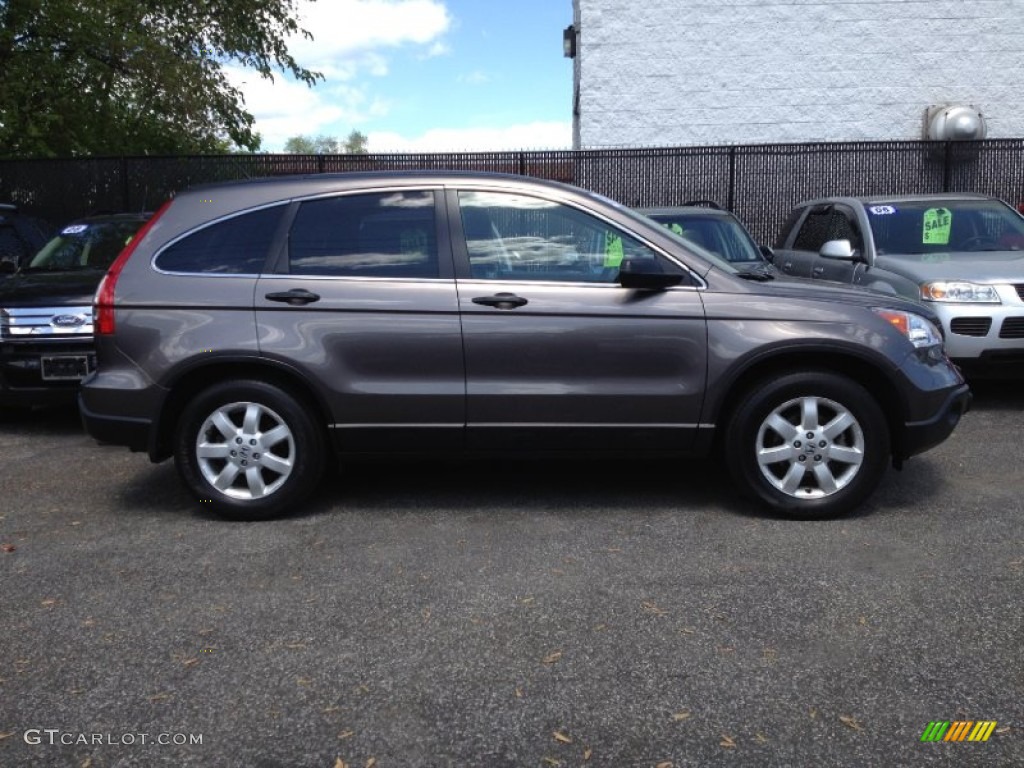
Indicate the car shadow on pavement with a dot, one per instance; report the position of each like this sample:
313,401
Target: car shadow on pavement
563,484
53,420
997,394
573,488
410,486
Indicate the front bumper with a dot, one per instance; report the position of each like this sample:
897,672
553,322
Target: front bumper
919,436
975,332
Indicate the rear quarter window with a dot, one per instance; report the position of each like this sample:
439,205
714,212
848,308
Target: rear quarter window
235,246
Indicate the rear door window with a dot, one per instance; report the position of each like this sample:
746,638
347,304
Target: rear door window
390,235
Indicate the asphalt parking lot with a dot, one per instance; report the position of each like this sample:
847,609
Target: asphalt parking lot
508,614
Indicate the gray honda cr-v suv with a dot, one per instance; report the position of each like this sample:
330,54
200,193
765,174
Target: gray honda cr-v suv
250,328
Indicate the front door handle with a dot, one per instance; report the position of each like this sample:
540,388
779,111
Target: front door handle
295,297
819,270
501,301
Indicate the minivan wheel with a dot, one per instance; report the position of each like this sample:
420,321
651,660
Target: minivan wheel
248,449
811,445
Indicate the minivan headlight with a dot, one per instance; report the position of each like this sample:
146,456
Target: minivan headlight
959,291
918,330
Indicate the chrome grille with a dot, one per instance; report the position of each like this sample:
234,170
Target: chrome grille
36,322
1020,290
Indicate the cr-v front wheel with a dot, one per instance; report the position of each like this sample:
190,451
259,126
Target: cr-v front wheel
811,444
249,449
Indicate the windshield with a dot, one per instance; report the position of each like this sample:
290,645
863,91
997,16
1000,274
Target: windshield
721,235
92,245
925,227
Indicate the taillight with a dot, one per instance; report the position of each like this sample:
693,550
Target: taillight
103,303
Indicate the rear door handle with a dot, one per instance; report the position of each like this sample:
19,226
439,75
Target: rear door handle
819,270
296,297
501,301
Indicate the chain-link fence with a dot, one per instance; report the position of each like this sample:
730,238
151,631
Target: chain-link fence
760,183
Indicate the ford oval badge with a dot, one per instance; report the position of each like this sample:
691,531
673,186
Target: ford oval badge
67,321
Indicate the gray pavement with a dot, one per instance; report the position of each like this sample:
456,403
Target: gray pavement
508,614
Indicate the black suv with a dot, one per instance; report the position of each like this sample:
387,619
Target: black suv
254,326
46,342
20,237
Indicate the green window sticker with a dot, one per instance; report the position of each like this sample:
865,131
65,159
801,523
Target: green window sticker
413,241
613,252
936,226
676,228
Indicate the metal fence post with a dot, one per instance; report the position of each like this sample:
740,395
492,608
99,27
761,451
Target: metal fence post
732,178
947,170
126,192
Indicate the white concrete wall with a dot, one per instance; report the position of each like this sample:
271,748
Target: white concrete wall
693,72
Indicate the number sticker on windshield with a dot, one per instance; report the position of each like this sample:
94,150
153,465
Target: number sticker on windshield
936,225
74,229
882,210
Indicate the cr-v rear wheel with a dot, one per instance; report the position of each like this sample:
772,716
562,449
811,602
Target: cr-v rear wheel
811,444
248,449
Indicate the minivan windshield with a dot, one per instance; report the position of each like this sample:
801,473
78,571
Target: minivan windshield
85,245
923,227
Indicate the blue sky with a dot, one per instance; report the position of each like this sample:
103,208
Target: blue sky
425,75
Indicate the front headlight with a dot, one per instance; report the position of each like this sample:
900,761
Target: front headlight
919,331
959,291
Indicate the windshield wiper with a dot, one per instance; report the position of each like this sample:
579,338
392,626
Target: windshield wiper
55,268
760,274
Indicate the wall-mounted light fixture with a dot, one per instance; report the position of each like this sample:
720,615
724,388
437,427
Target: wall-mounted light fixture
956,122
569,42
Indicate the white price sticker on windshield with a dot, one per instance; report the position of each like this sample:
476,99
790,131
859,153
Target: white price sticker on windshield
882,210
74,229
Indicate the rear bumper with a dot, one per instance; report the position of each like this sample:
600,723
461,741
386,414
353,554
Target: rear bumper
116,430
919,436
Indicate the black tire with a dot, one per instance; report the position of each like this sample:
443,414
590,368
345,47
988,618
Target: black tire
262,427
853,451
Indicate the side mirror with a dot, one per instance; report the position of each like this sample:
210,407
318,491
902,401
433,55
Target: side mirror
767,252
841,250
646,276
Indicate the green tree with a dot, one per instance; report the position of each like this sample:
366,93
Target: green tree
309,145
124,77
355,144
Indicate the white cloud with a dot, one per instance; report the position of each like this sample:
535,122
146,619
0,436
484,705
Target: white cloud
439,48
474,78
351,38
537,135
285,108
340,27
350,67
